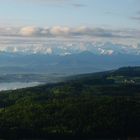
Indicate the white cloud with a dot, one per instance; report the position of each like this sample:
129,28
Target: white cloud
58,30
69,32
49,51
30,31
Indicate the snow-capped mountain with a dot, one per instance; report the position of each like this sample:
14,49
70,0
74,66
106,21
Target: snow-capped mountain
77,63
65,47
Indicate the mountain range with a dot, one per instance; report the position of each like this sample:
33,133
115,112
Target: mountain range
77,63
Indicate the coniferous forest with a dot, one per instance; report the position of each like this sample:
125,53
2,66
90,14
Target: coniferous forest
103,105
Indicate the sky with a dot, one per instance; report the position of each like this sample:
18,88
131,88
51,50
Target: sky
96,20
96,13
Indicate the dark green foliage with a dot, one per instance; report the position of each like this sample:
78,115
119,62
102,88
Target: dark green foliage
89,107
128,71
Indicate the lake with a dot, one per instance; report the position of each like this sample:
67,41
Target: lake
17,85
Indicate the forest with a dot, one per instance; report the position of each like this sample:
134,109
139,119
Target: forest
104,105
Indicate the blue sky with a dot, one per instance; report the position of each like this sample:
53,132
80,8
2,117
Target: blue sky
93,13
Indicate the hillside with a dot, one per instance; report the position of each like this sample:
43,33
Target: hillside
100,105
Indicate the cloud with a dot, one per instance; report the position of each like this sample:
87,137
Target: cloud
69,32
78,5
30,31
8,31
138,12
60,31
65,46
58,3
137,16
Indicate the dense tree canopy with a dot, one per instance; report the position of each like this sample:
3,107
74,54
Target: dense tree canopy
89,107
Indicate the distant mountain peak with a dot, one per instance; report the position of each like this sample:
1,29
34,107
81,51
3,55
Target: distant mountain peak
86,52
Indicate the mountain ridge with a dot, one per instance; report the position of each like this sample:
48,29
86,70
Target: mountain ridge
70,64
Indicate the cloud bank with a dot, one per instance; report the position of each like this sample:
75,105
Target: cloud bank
69,32
67,40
